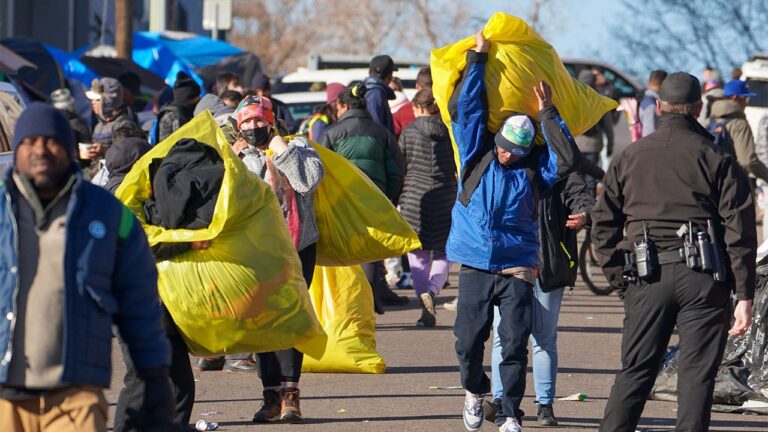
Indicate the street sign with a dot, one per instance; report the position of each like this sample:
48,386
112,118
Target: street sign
217,15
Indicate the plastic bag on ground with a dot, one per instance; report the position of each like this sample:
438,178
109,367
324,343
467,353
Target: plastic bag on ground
343,301
246,292
356,221
518,59
742,377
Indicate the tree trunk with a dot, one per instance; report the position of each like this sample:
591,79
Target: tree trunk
124,28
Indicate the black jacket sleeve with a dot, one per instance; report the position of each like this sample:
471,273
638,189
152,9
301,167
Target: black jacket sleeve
737,214
563,155
576,195
608,228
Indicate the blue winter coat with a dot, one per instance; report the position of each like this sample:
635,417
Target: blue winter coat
110,277
377,99
498,227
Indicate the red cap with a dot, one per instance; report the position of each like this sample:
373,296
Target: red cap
333,91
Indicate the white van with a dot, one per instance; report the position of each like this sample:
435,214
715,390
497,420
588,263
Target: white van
755,73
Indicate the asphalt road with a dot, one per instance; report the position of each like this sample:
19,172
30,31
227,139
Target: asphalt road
417,359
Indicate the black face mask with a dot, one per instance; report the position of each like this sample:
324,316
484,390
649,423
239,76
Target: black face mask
257,137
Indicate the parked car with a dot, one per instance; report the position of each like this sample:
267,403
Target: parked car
11,106
755,73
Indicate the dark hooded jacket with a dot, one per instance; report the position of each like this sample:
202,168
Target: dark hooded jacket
120,159
429,186
215,105
377,99
558,254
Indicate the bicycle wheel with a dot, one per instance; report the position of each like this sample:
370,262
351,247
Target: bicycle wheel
590,270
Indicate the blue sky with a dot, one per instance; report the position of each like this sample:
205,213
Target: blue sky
574,27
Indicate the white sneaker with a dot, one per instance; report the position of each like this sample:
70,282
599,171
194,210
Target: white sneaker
511,425
473,411
451,305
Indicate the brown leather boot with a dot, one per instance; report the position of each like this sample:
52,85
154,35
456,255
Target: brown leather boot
290,410
270,408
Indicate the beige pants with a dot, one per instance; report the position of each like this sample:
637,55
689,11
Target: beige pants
72,409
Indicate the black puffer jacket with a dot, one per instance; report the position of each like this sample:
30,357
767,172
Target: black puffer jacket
558,253
429,187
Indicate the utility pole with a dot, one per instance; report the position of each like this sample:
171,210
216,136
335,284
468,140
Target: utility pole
124,28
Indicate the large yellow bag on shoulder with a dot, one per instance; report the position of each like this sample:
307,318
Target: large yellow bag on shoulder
518,59
357,223
246,292
343,302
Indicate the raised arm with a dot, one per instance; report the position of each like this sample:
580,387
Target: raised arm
469,126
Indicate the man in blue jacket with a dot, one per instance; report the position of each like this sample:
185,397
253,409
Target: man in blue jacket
74,262
494,233
378,93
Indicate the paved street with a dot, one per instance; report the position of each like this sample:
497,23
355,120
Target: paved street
401,399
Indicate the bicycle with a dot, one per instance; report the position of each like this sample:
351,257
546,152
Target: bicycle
590,270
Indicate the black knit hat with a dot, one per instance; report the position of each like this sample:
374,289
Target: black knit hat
41,119
185,89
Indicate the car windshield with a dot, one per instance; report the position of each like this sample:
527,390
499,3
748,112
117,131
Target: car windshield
761,88
302,110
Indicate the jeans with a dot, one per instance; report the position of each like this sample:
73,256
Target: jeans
285,365
546,309
479,292
429,270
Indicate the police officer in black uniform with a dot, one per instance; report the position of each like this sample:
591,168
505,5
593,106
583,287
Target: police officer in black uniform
687,211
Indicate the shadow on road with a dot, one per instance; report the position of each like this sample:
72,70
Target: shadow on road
572,329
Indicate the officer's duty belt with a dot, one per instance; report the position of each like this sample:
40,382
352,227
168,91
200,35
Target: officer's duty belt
670,257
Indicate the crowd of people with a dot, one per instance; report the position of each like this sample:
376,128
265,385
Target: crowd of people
79,260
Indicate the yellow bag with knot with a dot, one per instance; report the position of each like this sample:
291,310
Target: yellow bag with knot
356,222
246,292
343,301
518,59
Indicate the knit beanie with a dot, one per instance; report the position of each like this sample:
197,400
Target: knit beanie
41,119
185,89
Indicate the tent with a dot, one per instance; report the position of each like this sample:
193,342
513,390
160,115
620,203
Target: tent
73,68
114,67
10,62
37,83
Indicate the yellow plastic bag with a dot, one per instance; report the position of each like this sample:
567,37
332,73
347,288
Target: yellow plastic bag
518,59
356,222
343,301
246,293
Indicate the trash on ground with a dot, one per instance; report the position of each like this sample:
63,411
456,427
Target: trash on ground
578,397
203,425
458,387
341,411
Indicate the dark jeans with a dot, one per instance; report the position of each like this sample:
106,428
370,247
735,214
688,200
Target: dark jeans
701,309
285,365
129,415
479,292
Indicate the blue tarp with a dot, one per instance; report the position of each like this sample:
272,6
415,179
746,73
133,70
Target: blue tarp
166,57
73,68
197,51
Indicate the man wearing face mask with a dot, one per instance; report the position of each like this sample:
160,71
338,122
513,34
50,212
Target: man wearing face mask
294,170
494,231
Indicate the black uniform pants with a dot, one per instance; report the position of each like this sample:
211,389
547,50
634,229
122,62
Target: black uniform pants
701,309
285,365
